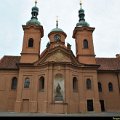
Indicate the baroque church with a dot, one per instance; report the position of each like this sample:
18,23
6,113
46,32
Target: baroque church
57,81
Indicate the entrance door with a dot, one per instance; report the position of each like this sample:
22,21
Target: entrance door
90,105
25,105
102,105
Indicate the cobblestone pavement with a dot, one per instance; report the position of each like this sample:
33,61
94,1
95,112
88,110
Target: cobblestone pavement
90,114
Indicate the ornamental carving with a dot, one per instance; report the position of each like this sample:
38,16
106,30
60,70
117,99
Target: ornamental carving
58,57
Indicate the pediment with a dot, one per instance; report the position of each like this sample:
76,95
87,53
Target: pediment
58,55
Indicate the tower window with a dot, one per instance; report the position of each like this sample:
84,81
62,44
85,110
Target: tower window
14,83
30,42
110,87
75,84
85,44
88,84
99,87
27,83
41,84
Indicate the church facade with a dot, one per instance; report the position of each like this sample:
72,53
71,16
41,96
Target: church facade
57,81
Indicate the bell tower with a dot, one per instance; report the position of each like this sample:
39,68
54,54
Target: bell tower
57,37
84,40
33,32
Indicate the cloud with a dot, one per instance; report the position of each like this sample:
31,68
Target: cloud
101,14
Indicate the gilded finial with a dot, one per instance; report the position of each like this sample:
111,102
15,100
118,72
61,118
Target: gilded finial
81,4
57,22
35,2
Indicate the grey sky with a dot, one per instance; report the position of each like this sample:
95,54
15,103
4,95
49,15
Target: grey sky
104,15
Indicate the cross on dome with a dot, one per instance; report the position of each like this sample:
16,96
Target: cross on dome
35,2
81,4
57,22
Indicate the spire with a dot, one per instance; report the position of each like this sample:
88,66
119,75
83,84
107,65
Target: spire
35,11
35,3
80,4
81,13
56,29
81,16
34,19
57,22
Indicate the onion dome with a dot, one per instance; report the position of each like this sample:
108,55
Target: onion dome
82,22
34,19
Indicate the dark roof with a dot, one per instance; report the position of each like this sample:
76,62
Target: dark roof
9,62
108,63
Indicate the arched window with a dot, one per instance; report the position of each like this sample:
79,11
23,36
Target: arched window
30,42
75,84
41,83
88,84
27,83
85,44
110,87
99,87
14,83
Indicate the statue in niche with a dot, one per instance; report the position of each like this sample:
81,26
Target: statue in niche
58,96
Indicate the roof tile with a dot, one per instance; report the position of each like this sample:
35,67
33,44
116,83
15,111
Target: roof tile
108,63
9,62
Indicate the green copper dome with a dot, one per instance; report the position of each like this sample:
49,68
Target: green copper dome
82,22
35,8
57,30
81,11
34,19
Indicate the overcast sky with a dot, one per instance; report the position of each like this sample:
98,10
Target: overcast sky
104,15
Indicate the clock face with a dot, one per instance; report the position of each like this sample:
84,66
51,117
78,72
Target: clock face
57,37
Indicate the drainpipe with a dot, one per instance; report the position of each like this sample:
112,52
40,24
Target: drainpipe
118,72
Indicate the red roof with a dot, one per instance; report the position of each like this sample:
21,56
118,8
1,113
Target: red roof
108,63
9,62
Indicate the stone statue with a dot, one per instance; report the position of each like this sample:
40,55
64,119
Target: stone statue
58,88
58,96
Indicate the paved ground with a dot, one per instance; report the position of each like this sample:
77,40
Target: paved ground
91,114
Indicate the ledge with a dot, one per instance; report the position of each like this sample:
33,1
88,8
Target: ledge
59,102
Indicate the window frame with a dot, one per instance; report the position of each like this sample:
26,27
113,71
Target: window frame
85,44
75,84
42,84
14,83
30,43
99,87
90,105
27,83
110,87
88,84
